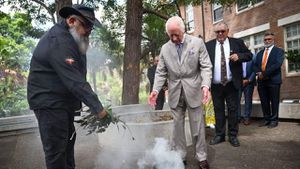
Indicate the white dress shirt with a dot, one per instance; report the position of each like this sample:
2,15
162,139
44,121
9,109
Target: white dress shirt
217,68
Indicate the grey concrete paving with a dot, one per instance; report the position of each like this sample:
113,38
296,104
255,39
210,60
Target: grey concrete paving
261,148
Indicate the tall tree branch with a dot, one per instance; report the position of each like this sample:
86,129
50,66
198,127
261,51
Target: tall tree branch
47,8
150,11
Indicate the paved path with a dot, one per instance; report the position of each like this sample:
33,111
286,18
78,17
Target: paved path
261,148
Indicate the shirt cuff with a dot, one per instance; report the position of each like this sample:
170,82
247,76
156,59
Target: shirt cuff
205,86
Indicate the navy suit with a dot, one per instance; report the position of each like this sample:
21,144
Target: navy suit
248,89
230,92
269,87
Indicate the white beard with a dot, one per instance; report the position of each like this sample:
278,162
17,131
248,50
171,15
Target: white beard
82,41
268,45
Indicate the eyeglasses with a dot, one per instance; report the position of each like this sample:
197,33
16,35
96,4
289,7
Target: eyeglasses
267,39
220,31
86,25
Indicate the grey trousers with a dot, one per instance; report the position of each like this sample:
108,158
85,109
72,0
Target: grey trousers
197,126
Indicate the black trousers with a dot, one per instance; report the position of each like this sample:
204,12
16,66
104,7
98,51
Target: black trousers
56,127
269,98
160,100
230,95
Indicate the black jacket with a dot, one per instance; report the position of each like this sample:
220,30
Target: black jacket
236,46
57,77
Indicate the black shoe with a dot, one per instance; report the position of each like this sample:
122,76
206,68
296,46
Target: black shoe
184,162
246,122
217,140
203,164
266,123
273,125
234,141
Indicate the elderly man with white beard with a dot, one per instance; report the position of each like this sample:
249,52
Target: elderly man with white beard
57,84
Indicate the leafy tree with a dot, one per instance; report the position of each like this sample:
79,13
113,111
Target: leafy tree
15,49
137,10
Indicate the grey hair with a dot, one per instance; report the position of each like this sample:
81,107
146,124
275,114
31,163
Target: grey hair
177,20
269,33
222,23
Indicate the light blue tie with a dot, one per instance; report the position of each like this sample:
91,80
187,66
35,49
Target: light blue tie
179,50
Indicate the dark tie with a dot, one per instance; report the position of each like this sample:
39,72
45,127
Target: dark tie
179,50
223,66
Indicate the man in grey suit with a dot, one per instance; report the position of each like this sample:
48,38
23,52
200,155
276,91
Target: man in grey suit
184,61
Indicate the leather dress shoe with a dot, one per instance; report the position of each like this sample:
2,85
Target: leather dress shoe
184,162
217,140
234,141
266,123
273,125
246,122
203,164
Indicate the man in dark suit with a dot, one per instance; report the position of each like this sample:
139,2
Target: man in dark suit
161,95
249,81
227,55
268,67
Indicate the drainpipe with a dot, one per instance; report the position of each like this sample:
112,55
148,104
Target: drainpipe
203,23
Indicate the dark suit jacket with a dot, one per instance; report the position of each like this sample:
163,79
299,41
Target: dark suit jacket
272,73
151,75
250,71
236,46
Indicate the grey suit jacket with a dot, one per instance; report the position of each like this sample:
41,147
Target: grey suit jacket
193,72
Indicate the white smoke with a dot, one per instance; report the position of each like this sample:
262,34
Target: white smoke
161,157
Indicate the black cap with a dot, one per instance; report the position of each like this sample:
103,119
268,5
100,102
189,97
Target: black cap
80,10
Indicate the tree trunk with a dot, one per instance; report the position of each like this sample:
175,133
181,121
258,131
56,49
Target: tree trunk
58,5
131,69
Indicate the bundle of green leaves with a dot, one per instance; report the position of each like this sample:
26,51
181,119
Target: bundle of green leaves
98,125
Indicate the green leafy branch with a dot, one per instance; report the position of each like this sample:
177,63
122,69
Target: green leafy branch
99,125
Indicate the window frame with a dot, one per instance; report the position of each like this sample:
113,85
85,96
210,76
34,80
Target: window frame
286,40
189,12
249,6
252,46
216,7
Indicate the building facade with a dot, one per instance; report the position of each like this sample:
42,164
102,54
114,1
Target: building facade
249,22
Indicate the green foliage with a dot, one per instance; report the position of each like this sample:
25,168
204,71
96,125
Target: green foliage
15,49
92,123
293,56
39,10
110,88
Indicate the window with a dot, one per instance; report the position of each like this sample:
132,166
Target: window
254,42
246,41
190,18
292,40
245,4
217,12
258,42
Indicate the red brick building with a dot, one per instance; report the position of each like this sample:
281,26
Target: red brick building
250,22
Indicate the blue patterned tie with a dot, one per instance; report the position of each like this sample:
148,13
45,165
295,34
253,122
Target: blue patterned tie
179,50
